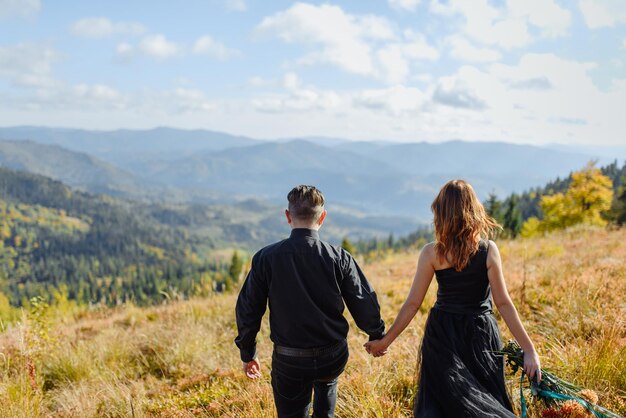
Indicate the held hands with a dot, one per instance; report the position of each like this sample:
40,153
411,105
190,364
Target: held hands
252,369
532,367
376,348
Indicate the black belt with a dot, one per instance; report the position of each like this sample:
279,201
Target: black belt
309,352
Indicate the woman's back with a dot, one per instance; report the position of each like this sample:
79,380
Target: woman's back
466,291
461,373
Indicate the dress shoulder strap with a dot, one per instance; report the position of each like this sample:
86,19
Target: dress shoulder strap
483,251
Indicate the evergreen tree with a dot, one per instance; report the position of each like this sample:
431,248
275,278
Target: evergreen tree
390,241
512,220
493,207
236,265
347,245
619,205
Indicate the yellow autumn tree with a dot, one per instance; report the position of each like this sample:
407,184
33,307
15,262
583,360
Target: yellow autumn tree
531,227
589,195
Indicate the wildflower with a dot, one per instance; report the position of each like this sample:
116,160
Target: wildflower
589,395
572,409
550,413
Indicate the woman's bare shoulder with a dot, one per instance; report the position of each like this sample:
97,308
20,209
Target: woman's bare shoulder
492,246
428,252
429,248
493,254
426,257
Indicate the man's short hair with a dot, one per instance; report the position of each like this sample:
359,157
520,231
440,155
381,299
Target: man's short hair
306,203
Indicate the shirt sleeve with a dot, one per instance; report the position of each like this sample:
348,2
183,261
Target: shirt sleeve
251,305
361,299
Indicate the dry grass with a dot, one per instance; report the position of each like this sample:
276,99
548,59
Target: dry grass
180,361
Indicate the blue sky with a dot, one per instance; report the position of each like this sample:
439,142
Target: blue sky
526,71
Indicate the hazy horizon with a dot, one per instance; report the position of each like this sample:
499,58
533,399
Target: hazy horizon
588,147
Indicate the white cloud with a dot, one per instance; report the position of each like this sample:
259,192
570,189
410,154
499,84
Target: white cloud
394,59
624,43
96,92
21,8
486,23
365,44
415,46
258,81
557,73
192,100
82,97
304,100
603,13
158,46
291,81
153,46
396,100
457,92
410,5
547,15
298,98
206,45
538,99
340,35
393,63
542,98
101,98
463,50
506,26
28,64
101,27
125,51
236,5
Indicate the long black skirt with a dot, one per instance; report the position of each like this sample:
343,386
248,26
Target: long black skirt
460,375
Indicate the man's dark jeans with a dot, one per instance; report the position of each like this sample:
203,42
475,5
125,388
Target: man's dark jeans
294,378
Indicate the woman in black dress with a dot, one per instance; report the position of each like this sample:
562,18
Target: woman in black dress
460,375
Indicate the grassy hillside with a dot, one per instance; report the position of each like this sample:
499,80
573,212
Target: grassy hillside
179,360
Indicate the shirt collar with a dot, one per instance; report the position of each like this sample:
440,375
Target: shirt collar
304,232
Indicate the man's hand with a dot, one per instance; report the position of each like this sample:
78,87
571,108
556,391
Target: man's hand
377,348
252,369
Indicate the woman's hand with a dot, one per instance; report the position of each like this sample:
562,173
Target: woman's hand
376,348
532,366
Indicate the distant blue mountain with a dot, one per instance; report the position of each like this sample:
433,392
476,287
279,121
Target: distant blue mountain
372,177
125,145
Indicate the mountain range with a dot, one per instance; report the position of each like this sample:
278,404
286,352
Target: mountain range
362,180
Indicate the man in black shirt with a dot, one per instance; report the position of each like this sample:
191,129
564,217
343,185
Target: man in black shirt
307,281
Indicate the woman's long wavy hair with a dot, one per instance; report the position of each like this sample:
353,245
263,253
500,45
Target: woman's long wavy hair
460,222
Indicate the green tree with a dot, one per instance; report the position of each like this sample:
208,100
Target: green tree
347,245
512,219
390,241
236,265
619,205
493,207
